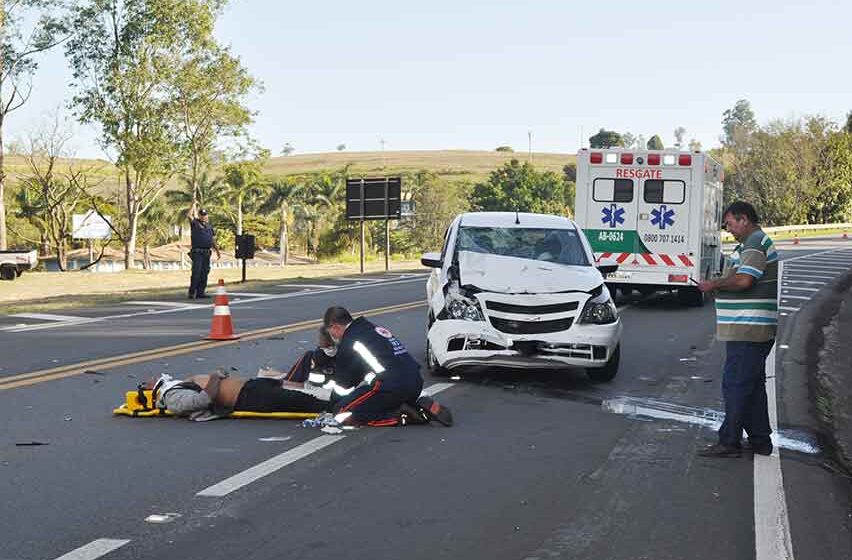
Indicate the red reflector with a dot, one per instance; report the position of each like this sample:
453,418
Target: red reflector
653,159
596,157
627,159
683,278
684,159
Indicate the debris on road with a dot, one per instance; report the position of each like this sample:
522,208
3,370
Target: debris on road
321,421
30,443
331,430
274,438
93,372
162,517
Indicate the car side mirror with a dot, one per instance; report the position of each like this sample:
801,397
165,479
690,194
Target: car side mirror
606,266
431,260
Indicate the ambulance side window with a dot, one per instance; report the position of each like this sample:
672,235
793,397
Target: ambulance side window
664,192
612,190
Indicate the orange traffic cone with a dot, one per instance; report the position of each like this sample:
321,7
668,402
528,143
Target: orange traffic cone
222,328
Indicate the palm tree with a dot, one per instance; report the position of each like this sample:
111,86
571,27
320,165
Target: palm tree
282,195
245,186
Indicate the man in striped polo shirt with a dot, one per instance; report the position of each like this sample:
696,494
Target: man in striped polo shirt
746,320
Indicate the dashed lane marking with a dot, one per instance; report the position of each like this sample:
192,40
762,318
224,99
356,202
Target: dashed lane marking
825,267
785,296
71,370
94,549
321,286
785,281
177,304
786,288
783,308
278,462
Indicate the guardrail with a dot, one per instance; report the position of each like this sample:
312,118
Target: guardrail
796,228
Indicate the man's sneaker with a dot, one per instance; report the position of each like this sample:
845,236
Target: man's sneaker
720,451
411,415
435,411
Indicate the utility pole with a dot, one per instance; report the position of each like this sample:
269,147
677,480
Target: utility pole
529,144
382,142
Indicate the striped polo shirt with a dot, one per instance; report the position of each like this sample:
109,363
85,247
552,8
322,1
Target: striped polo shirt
751,315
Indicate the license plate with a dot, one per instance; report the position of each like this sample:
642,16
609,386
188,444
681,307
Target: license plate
618,275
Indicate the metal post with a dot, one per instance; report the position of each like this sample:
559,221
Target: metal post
244,270
387,225
363,205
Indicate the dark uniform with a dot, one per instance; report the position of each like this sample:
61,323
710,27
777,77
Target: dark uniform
202,245
374,375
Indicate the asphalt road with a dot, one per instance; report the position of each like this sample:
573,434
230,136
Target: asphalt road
537,466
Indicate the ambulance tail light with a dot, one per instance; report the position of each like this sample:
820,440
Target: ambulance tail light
653,159
626,159
684,159
681,278
596,157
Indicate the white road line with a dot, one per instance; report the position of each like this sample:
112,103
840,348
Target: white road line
178,304
269,297
803,275
786,297
48,317
787,288
782,308
803,282
360,280
94,549
772,539
246,294
824,267
322,286
278,462
269,466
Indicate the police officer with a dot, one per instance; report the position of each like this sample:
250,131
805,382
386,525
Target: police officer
376,381
203,242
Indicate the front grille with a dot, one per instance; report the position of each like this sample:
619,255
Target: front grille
510,326
531,309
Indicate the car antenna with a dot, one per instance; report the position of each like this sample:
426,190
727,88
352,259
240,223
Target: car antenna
517,218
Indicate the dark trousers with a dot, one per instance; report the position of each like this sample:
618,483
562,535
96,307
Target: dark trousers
200,270
744,391
378,404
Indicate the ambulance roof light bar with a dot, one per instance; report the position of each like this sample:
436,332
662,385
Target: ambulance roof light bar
612,158
684,159
668,159
596,157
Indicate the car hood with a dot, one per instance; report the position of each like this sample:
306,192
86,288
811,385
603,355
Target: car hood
512,275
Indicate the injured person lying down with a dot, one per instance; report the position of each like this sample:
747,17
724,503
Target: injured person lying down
221,395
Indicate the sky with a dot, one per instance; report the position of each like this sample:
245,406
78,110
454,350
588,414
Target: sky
474,75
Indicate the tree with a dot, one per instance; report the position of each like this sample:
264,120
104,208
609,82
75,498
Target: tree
282,195
655,143
504,149
516,186
27,28
123,58
737,122
848,127
679,133
51,191
244,185
628,140
605,139
341,147
694,145
287,149
209,87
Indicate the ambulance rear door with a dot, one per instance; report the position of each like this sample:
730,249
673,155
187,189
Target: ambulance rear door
664,223
611,215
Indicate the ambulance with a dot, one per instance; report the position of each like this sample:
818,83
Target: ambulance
657,214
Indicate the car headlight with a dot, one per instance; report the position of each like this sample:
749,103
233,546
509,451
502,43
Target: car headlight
461,307
599,310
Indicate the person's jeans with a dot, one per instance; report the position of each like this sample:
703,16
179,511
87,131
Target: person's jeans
744,391
200,270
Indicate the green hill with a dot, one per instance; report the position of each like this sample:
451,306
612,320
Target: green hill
453,164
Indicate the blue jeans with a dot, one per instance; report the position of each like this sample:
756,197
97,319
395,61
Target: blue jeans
744,391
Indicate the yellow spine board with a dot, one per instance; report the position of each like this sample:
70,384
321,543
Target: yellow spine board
132,407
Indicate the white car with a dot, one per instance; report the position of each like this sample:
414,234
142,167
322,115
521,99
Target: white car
520,290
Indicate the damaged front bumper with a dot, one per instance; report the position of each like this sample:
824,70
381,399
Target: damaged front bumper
458,343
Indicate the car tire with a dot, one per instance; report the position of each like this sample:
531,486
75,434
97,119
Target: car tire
691,297
8,272
432,363
608,371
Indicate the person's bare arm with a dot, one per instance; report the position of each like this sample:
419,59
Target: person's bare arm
730,283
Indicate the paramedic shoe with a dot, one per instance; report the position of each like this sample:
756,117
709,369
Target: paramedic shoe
759,449
720,451
410,415
435,411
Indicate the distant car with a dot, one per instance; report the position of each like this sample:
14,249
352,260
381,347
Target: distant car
15,263
520,290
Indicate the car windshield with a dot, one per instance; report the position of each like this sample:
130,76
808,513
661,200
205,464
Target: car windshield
560,246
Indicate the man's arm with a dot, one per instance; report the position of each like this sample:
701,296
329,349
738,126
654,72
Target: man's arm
730,283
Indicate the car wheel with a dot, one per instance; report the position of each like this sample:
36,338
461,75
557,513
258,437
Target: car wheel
692,297
608,371
432,364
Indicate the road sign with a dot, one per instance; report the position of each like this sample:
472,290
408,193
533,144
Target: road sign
90,226
376,198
